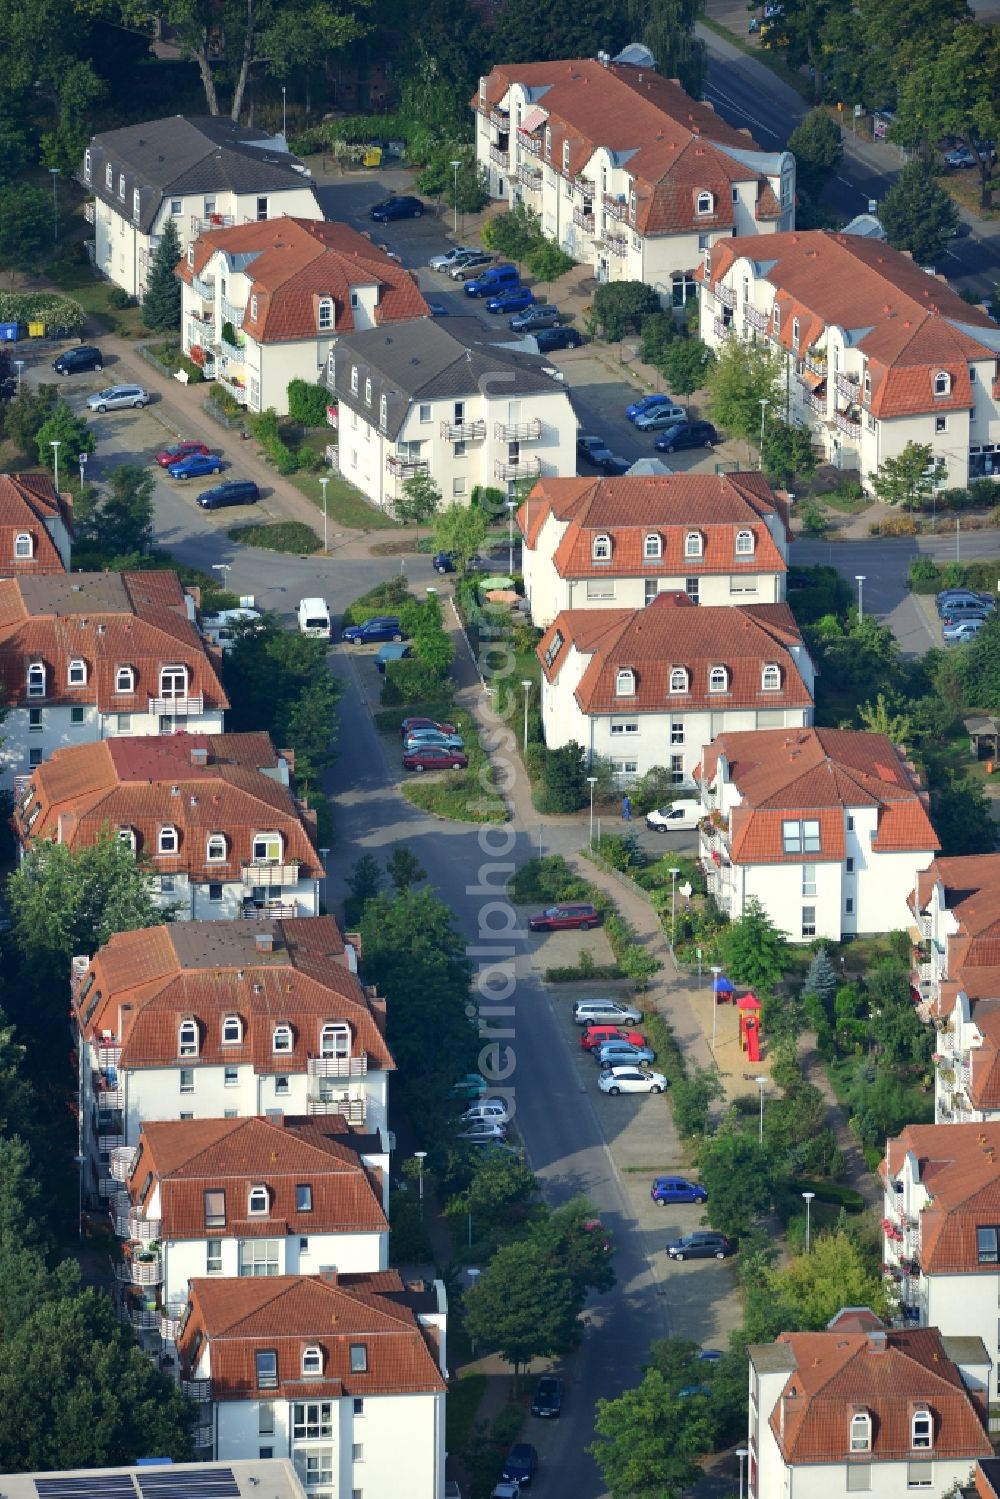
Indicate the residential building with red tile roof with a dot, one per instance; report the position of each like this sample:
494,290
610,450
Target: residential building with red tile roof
593,543
827,828
206,1020
652,687
866,1409
625,170
250,1478
344,1373
36,526
91,656
266,303
210,816
941,1228
879,351
247,1197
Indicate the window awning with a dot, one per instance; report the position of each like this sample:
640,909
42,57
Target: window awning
533,119
813,381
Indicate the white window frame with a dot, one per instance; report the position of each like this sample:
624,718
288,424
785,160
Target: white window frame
335,1039
680,679
258,1201
121,186
600,549
705,202
212,842
652,547
232,1030
169,677
718,679
36,678
861,1432
922,1430
745,543
694,544
264,845
808,881
770,678
86,166
76,673
168,839
625,682
354,379
368,391
123,675
24,546
282,1040
127,835
312,1361
383,411
324,315
253,307
187,1038
942,383
109,177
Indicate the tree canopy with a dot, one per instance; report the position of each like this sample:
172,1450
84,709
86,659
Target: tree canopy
649,1441
742,377
918,215
460,530
524,1305
278,680
817,145
117,521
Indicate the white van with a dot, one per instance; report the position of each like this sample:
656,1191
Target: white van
679,815
218,629
314,618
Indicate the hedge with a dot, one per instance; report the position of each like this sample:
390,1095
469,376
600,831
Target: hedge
59,314
382,599
839,1196
927,576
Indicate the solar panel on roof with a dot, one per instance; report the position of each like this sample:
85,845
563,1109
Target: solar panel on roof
212,1483
86,1486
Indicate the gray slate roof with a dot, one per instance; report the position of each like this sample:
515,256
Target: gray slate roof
420,361
183,155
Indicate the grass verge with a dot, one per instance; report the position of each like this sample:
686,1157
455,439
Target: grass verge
346,507
460,795
278,536
465,1396
78,281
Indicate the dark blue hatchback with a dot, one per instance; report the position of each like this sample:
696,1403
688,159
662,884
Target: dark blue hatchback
676,1189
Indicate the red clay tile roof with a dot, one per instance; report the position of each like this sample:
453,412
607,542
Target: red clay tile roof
959,1164
106,620
28,505
670,633
288,1313
149,981
188,1157
909,325
150,782
972,896
816,773
296,263
888,1374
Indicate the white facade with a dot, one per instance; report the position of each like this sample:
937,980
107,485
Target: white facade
283,892
959,1041
32,733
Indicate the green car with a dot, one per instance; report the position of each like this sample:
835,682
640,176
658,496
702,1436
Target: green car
469,1086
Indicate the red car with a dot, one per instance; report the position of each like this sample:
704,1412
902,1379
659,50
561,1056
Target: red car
429,757
596,1035
179,450
572,914
409,724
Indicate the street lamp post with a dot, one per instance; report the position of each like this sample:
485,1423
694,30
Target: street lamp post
511,507
763,407
591,782
322,484
55,446
742,1453
83,468
420,1157
284,115
673,905
323,853
716,970
762,1084
455,166
807,1198
19,366
859,578
55,205
223,568
527,693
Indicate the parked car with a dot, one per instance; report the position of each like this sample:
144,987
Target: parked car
488,1108
548,1397
494,280
444,562
481,1131
594,450
571,915
660,417
403,207
629,1079
701,1245
409,724
178,450
962,609
472,1085
235,492
515,300
622,1054
450,258
548,340
505,1491
668,1189
116,397
74,361
963,629
695,1389
709,1355
593,1037
542,315
951,597
961,157
591,1012
683,814
433,757
314,620
472,265
687,435
382,627
520,1465
392,651
195,466
648,403
418,737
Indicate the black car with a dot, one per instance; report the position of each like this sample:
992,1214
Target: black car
541,316
594,450
235,492
83,357
547,1399
703,1245
687,435
549,339
444,562
520,1465
403,207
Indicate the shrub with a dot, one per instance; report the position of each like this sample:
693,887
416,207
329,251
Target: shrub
506,1425
407,682
266,430
545,880
118,298
384,598
227,403
895,525
307,403
281,536
192,370
845,1197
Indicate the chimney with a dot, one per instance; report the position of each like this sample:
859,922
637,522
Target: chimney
264,941
275,1117
328,1274
199,756
877,1342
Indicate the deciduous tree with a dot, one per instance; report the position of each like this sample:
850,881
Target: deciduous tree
743,376
404,868
788,452
754,952
71,432
817,145
910,478
953,89
562,29
419,499
918,215
667,28
524,1305
736,1173
460,530
26,227
685,364
278,680
650,1442
837,1272
117,521
621,306
564,779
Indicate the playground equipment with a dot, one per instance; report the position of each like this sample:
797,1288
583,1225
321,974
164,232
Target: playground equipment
749,1010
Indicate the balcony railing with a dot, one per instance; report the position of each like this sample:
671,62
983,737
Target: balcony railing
231,313
140,1228
203,1437
111,1137
170,1327
212,221
499,158
89,211
107,1186
529,143
265,872
720,327
848,385
235,353
519,468
271,910
351,1109
108,1095
615,208
756,319
725,294
120,1163
337,1066
816,403
464,431
177,707
198,1390
109,1054
501,119
616,244
583,220
144,1318
145,1269
847,424
518,431
814,364
203,289
406,468
529,177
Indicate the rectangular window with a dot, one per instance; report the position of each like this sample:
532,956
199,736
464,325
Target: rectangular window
621,726
282,1085
34,758
187,1080
425,411
359,1358
357,1452
312,1420
677,770
316,1471
676,732
809,879
692,587
35,723
259,1257
859,1478
986,1246
231,1077
459,487
848,866
303,1198
791,837
76,715
810,837
808,921
850,824
167,884
215,1209
124,723
940,424
261,208
215,892
849,905
303,1246
265,1419
359,1406
919,1475
652,588
265,1451
266,1360
600,588
213,1256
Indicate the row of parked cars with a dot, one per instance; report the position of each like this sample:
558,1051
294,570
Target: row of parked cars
963,613
500,286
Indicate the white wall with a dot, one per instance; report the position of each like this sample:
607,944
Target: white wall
347,1252
57,731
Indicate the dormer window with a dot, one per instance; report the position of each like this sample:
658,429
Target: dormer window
324,314
335,1039
187,1039
744,543
776,319
548,143
770,678
127,836
125,679
631,206
36,679
922,1430
24,546
267,848
693,544
359,1358
257,1203
368,392
76,675
354,379
232,1030
190,257
281,1040
553,648
942,383
861,1432
86,166
173,681
168,841
625,682
705,203
868,385
216,849
601,549
795,332
565,156
383,411
312,1361
121,186
253,308
652,548
718,679
136,204
679,679
109,177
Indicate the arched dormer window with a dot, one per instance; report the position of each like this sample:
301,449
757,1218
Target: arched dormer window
267,848
625,682
706,202
324,314
127,836
861,1432
187,1038
168,841
693,544
36,679
652,547
216,849
770,678
776,318
942,383
548,143
335,1039
718,679
744,543
76,673
312,1360
257,1202
601,549
232,1030
922,1430
679,679
368,392
281,1040
565,156
173,681
109,176
795,332
383,411
125,679
24,546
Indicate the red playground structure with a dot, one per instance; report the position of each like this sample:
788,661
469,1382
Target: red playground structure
749,1008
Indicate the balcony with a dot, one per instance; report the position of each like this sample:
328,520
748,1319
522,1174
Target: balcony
89,211
337,1066
198,1390
518,431
530,177
351,1109
107,1186
203,289
499,158
518,468
615,244
120,1163
213,221
816,403
143,1318
583,220
406,468
530,143
265,872
815,362
615,208
110,1136
142,1269
756,319
203,1437
231,313
464,431
270,910
109,1054
108,1095
500,119
847,424
177,707
143,1230
848,385
235,353
720,327
725,294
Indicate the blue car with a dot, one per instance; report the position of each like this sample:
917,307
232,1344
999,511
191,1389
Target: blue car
383,627
666,1189
195,465
511,301
648,403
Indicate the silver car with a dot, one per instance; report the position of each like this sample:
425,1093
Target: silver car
116,397
449,258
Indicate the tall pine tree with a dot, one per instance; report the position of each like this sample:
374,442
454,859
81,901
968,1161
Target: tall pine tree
161,307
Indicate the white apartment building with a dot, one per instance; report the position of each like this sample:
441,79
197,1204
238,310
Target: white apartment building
879,353
827,828
92,656
265,303
344,1374
653,687
201,172
217,1020
617,543
417,399
626,171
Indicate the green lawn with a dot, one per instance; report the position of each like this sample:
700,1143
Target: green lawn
280,536
346,507
464,1398
77,280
